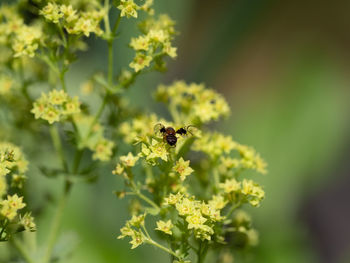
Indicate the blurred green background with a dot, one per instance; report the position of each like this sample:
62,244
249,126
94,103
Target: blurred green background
284,69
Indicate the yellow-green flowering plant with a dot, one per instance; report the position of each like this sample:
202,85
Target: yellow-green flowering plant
186,182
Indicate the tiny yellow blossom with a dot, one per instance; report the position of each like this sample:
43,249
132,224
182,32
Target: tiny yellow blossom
57,97
119,169
195,220
52,12
11,205
137,221
128,8
103,150
230,186
140,62
72,106
140,43
218,202
253,191
27,221
173,199
186,206
182,168
158,150
129,160
165,226
136,239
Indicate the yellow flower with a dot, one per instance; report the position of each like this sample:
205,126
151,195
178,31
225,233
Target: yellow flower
230,186
186,206
173,199
129,160
136,239
140,62
51,114
57,97
11,205
103,150
169,50
72,106
69,13
158,150
195,220
27,221
182,168
138,221
128,8
52,12
165,226
253,192
126,231
217,202
119,169
140,43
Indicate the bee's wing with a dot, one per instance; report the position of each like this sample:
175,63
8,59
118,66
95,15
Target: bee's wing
158,129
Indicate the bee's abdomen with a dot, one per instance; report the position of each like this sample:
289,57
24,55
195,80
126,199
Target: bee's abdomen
171,139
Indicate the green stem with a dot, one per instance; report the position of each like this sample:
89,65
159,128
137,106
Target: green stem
3,227
147,200
152,242
106,18
199,253
77,159
20,248
62,35
202,252
50,64
116,25
233,208
110,63
63,82
58,146
57,222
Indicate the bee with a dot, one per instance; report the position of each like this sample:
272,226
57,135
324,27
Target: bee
169,133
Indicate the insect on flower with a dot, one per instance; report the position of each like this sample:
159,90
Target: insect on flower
169,133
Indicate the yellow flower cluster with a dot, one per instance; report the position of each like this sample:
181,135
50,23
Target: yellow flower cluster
154,44
251,159
200,216
91,136
132,229
24,39
217,145
214,144
55,106
247,190
193,103
74,21
13,165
